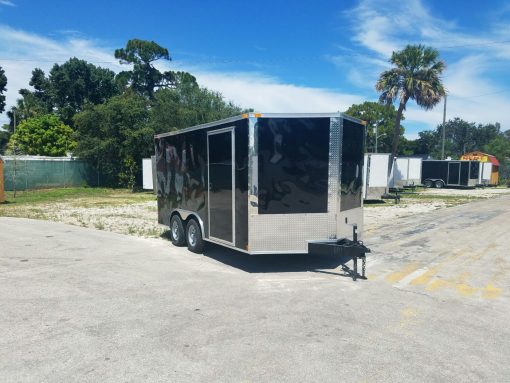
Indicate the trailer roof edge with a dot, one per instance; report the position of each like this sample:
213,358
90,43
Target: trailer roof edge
258,115
202,126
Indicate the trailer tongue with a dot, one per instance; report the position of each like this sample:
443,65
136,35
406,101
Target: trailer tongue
345,248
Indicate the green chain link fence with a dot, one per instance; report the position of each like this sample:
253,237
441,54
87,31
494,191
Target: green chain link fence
27,173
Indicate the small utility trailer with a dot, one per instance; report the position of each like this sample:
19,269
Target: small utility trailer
264,184
449,173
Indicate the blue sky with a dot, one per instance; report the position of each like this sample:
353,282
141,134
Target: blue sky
277,56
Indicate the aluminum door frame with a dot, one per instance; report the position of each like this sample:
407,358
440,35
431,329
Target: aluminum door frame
230,129
448,173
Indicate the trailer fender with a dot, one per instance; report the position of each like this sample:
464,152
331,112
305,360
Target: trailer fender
186,214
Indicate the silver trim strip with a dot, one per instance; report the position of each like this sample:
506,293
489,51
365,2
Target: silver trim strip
225,244
279,252
253,199
233,186
322,241
339,180
297,115
219,131
304,115
202,126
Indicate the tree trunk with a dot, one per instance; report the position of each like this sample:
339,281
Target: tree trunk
396,131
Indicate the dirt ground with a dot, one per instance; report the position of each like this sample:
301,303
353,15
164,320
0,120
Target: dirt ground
137,215
134,218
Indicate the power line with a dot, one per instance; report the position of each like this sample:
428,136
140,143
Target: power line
480,95
477,44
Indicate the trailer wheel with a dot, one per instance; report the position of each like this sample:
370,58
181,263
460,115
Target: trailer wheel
428,183
177,231
194,236
439,184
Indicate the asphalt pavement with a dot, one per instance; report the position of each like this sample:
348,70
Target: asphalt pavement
91,306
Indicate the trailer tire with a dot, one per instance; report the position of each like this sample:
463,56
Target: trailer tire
439,184
428,183
177,231
194,237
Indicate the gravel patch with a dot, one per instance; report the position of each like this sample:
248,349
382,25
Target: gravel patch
140,219
477,193
377,215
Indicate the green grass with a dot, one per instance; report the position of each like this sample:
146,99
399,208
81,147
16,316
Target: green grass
85,196
425,196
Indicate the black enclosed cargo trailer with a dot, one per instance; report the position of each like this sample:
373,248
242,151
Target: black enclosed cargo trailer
441,173
264,183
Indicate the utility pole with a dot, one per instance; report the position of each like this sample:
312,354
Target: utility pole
375,128
377,137
444,128
14,148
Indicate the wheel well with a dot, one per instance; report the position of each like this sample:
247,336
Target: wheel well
188,216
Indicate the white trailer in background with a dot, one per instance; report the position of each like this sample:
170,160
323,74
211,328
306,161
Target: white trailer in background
485,174
375,175
148,173
406,171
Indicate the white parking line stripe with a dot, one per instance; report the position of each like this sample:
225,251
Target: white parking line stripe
408,278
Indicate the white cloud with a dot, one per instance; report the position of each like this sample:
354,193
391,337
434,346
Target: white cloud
7,2
23,51
247,89
382,26
266,94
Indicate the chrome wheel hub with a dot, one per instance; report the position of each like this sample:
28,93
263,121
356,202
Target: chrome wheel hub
192,236
175,230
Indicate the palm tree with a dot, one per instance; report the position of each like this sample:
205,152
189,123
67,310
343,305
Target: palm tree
416,75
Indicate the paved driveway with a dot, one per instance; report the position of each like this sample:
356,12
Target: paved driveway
85,305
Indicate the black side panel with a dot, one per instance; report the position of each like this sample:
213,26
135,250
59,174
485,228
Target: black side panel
241,173
474,170
464,173
434,170
293,163
182,176
353,140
